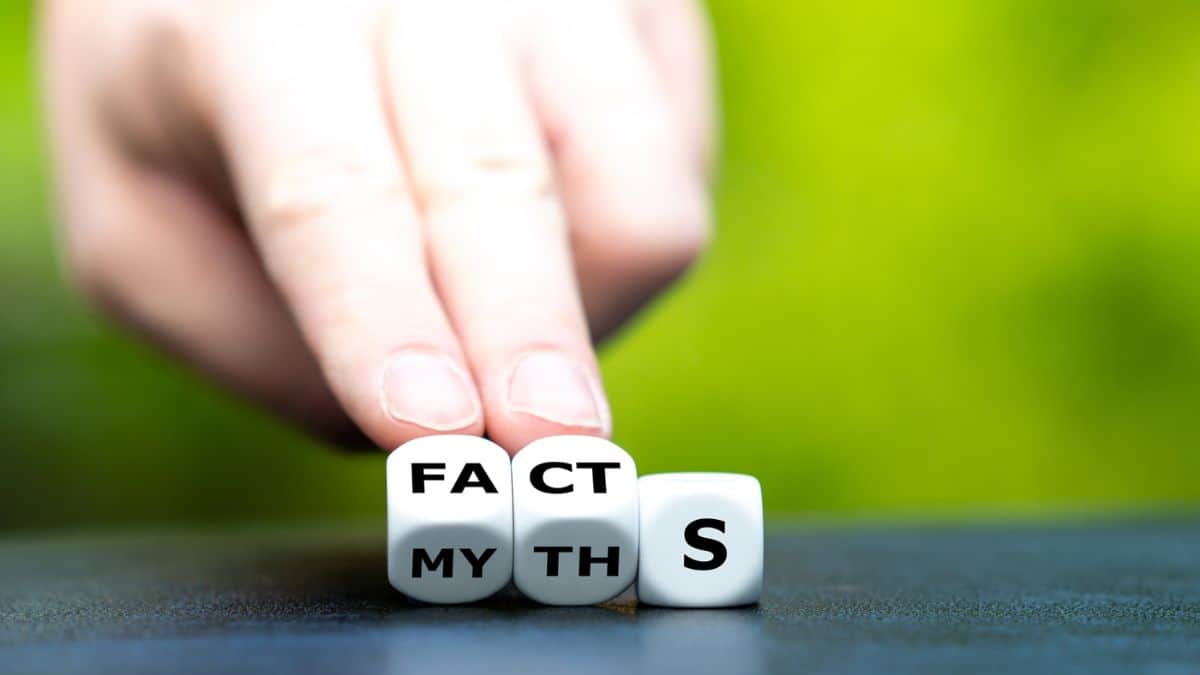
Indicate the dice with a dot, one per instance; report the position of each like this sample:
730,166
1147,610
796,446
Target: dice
575,520
701,540
450,519
570,523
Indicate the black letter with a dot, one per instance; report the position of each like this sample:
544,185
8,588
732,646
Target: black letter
538,478
612,561
419,476
444,557
477,563
599,484
464,479
691,534
551,557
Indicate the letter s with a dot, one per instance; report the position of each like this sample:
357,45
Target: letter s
691,534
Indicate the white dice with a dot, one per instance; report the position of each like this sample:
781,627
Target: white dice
701,540
570,523
450,519
575,520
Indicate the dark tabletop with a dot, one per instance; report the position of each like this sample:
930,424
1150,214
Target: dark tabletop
1055,599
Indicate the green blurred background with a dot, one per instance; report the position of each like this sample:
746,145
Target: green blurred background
957,272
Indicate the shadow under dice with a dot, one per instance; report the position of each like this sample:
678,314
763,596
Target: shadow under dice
575,520
701,540
449,519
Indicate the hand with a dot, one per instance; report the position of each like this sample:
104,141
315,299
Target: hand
403,215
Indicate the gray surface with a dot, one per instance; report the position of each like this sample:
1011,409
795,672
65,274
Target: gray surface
1116,598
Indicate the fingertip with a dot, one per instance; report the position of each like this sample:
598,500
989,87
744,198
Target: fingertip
546,392
424,392
551,386
424,387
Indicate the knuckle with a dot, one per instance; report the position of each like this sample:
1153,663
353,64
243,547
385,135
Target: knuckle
693,237
314,189
666,238
484,177
93,258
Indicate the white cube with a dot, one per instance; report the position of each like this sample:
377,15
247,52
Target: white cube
701,540
450,527
575,520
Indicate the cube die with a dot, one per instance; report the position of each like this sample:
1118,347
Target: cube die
450,523
701,540
570,523
575,520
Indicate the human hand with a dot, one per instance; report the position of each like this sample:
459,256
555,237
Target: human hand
395,216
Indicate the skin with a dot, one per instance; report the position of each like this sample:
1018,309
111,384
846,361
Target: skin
389,218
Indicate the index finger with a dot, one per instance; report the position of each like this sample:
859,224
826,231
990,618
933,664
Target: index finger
329,208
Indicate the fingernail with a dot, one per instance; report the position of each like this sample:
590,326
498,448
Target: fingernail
428,389
549,385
